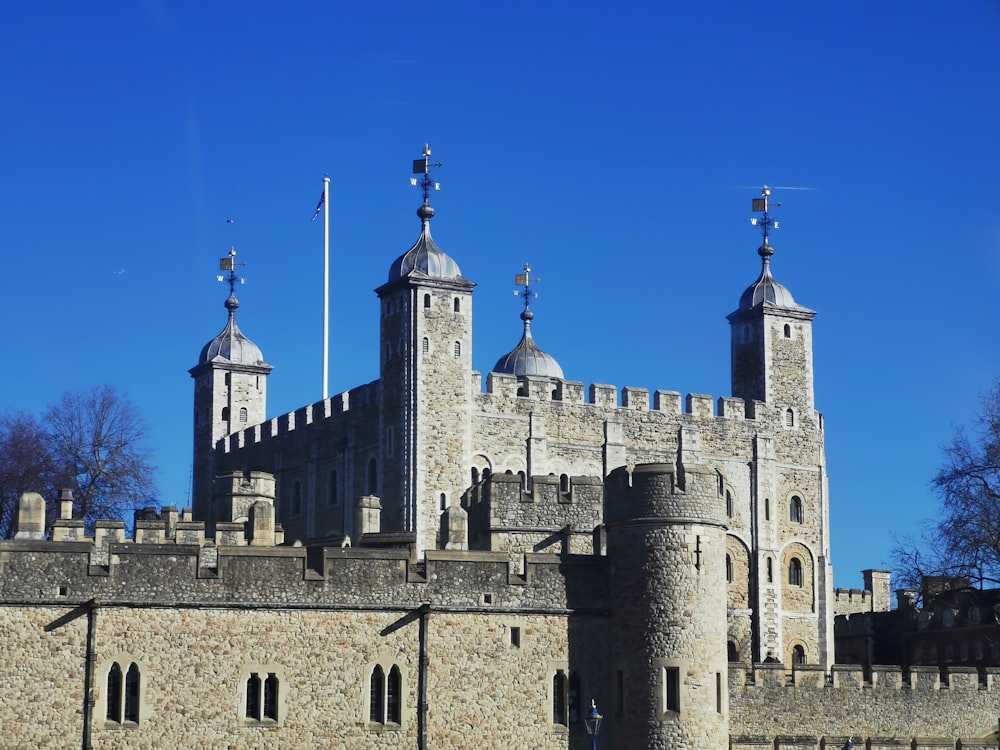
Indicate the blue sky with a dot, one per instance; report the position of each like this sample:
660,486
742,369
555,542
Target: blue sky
614,147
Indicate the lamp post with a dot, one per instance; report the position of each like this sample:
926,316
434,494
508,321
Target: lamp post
593,724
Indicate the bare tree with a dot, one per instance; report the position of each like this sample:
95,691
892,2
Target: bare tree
25,464
964,540
97,441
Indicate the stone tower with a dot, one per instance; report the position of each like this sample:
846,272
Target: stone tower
772,339
230,394
420,467
790,578
667,536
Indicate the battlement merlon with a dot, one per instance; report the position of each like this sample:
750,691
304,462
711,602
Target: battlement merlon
330,408
37,572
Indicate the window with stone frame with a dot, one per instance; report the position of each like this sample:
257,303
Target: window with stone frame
795,572
385,696
123,694
560,698
262,697
795,509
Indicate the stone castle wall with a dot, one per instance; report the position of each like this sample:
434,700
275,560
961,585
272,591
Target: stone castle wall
197,619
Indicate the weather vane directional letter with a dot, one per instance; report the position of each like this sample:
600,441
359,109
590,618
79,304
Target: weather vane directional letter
229,264
423,167
524,281
760,205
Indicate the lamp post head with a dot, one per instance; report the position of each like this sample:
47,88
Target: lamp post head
593,720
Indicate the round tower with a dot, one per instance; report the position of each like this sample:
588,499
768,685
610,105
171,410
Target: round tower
666,536
230,394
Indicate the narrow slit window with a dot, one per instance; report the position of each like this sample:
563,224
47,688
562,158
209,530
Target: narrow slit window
393,694
559,690
132,694
376,702
672,688
253,696
114,712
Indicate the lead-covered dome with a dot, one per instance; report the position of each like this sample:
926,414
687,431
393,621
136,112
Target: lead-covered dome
231,345
526,358
425,258
765,289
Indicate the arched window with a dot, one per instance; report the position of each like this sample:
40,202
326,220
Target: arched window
376,691
729,504
243,415
394,697
729,568
788,331
770,570
132,694
372,476
333,490
767,509
385,696
114,712
789,418
733,650
795,509
123,694
560,688
458,349
795,572
253,696
524,481
426,346
475,476
458,305
798,655
225,413
564,483
444,501
427,300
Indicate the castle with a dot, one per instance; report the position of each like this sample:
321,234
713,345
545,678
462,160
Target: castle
472,566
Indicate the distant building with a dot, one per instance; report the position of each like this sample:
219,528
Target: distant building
956,627
422,562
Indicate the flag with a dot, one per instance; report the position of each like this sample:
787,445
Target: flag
319,207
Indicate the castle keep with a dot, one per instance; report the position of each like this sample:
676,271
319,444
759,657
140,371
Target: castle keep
446,559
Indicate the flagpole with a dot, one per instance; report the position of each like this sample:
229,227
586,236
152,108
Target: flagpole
326,287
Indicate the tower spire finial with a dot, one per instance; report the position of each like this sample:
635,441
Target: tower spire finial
229,264
423,167
526,293
765,222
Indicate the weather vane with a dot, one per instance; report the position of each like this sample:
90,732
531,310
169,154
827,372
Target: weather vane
759,205
524,281
424,167
229,264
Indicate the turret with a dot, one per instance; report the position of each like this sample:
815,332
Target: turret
772,340
230,394
666,534
425,376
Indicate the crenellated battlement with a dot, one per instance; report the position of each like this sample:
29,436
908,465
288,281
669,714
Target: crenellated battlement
550,513
628,398
856,677
189,570
885,707
340,406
